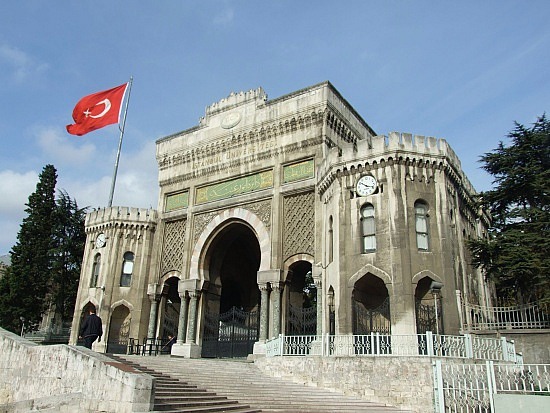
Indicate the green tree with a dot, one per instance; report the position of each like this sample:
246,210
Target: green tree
46,260
516,253
23,288
68,240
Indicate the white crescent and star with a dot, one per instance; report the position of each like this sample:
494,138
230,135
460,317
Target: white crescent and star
106,109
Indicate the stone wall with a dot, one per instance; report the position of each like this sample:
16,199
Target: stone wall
404,382
66,378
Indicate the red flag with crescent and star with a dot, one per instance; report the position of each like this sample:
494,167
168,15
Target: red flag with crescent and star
97,110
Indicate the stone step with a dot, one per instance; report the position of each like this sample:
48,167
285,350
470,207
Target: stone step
244,382
177,396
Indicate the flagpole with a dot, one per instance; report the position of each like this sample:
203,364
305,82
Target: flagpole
110,203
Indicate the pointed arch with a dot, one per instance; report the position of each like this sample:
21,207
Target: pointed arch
369,268
225,217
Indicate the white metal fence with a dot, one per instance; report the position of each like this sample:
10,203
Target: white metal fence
479,317
470,388
375,344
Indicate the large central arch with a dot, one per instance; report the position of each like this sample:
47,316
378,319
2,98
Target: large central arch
230,263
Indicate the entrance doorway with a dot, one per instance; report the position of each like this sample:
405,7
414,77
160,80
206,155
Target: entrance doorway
231,317
370,306
301,315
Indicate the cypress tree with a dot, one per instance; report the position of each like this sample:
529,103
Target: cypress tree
23,289
516,253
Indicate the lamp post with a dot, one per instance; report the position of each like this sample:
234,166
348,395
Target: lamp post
435,288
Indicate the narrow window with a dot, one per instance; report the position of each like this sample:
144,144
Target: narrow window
127,269
421,222
330,240
95,270
368,228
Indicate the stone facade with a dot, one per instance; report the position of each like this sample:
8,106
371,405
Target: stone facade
261,209
63,378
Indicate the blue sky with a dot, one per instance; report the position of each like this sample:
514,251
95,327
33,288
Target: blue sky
463,71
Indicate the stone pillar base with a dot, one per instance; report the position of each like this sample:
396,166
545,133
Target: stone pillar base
316,348
259,349
188,350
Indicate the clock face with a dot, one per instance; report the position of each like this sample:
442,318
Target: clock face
100,241
366,185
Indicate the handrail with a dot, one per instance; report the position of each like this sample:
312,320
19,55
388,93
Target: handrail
375,344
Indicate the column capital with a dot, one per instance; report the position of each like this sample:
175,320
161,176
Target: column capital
277,286
263,287
154,291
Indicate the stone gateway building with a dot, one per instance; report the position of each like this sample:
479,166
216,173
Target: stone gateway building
285,216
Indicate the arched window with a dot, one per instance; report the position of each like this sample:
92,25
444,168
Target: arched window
95,270
330,240
368,228
421,224
127,269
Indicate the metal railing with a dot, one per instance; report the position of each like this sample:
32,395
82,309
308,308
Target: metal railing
471,387
376,344
480,317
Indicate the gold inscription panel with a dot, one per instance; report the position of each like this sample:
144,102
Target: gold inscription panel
299,171
238,186
176,201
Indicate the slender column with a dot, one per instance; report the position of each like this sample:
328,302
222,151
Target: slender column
194,298
320,308
276,288
153,315
264,311
182,324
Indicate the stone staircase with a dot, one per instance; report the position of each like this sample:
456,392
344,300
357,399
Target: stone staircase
238,386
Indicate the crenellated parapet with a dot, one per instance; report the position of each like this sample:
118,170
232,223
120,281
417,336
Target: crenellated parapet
235,99
121,217
422,155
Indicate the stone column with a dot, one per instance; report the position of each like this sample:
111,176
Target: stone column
320,308
182,324
276,288
264,316
154,293
186,346
317,275
191,337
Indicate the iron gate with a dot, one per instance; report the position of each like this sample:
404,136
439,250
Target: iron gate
119,343
231,334
301,321
371,320
426,318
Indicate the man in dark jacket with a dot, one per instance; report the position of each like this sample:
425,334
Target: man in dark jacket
91,329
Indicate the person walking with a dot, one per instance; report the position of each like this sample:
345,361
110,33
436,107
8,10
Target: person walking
91,329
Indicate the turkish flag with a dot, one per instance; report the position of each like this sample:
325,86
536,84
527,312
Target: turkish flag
97,110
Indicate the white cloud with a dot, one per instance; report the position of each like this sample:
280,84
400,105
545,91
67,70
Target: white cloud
63,150
23,65
15,189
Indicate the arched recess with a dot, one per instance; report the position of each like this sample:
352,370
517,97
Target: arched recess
169,306
428,303
370,306
197,267
300,297
84,311
230,262
119,330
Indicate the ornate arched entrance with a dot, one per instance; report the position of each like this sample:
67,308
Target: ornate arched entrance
231,312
